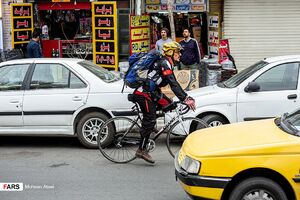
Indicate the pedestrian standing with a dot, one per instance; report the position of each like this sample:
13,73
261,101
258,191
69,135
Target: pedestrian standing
164,39
34,49
190,58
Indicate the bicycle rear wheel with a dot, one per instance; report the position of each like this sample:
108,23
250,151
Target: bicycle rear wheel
180,130
125,142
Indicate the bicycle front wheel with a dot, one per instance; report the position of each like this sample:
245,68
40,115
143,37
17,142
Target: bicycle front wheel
180,130
125,142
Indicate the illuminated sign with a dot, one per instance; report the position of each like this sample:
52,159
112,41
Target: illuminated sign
22,24
105,43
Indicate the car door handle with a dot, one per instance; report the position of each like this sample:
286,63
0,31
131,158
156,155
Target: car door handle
77,98
14,101
292,96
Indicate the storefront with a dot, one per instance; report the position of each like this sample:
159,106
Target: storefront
187,14
259,29
69,28
66,29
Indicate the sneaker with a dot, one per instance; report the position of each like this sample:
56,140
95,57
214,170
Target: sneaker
144,155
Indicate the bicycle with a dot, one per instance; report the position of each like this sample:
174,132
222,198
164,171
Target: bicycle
122,146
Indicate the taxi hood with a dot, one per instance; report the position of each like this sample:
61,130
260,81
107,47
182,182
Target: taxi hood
246,138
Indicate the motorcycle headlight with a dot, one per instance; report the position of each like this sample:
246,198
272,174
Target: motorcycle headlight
190,165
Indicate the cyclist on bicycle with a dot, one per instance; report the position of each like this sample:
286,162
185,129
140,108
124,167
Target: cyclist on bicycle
162,75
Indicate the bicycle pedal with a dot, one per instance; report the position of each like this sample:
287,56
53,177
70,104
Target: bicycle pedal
150,146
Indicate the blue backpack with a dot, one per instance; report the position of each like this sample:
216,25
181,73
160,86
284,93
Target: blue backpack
139,65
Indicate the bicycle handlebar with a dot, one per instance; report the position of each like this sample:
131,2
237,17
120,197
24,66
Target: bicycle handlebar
183,109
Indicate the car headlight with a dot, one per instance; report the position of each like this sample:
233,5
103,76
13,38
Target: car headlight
190,165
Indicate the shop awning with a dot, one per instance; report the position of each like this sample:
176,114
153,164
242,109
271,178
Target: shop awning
64,6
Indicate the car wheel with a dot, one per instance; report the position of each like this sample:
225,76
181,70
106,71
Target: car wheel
88,129
258,188
214,120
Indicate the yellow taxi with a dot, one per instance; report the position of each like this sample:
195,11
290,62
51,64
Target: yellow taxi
257,160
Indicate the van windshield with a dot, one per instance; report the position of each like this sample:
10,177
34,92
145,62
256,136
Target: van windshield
243,75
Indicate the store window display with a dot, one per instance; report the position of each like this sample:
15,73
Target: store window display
67,33
66,24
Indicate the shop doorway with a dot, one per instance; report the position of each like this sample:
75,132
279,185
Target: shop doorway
195,22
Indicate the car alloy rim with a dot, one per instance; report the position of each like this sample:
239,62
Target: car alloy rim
258,194
215,123
91,130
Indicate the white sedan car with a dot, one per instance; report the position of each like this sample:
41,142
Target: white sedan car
58,97
266,89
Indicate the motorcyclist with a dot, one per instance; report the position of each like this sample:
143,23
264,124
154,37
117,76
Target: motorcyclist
149,95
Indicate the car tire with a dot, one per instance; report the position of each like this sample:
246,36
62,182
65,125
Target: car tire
258,188
88,128
214,120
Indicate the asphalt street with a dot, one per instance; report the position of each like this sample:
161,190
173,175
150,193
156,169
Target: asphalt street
60,168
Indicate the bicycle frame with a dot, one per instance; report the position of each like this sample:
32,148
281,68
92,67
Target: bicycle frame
159,132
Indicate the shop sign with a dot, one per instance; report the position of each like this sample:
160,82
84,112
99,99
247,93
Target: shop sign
152,8
104,21
140,46
139,21
104,9
139,34
164,7
105,52
103,34
105,60
105,47
213,38
223,50
198,8
178,5
22,36
213,21
152,1
182,1
213,33
57,1
197,1
166,1
182,7
22,23
21,10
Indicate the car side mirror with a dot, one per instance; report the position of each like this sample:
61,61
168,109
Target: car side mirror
252,87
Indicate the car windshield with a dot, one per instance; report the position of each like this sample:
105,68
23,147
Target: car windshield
100,72
243,75
290,122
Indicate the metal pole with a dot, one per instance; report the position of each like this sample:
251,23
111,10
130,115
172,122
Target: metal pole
171,19
1,35
138,7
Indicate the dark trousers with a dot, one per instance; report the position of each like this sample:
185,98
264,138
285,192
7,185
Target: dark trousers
148,108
